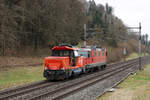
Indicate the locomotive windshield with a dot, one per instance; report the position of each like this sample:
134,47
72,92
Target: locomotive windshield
65,53
85,54
62,53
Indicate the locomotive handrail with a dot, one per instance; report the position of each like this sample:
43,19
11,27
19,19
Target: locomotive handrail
65,65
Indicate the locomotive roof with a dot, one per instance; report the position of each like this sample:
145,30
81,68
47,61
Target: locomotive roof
89,49
70,47
85,49
64,48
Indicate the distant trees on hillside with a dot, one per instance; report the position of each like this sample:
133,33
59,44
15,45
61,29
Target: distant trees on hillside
110,29
41,23
145,40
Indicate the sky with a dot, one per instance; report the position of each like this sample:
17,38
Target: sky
131,12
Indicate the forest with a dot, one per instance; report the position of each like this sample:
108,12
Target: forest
36,24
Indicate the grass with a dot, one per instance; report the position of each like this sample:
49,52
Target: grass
20,75
135,55
135,87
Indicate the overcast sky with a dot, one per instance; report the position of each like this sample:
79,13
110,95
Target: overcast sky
131,12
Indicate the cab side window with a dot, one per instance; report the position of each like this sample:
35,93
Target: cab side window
99,53
103,53
94,52
89,54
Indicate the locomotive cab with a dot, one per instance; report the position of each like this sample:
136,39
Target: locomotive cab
72,54
63,62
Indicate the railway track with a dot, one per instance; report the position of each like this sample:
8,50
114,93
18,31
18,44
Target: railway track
57,90
76,86
11,90
24,90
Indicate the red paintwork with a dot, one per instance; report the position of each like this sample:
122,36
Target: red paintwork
96,59
58,63
63,48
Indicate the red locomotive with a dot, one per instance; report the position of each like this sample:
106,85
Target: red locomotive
67,61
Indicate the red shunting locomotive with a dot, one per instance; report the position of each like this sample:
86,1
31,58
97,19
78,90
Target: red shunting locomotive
67,61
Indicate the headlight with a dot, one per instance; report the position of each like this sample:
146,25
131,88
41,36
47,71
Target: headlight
45,68
62,68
